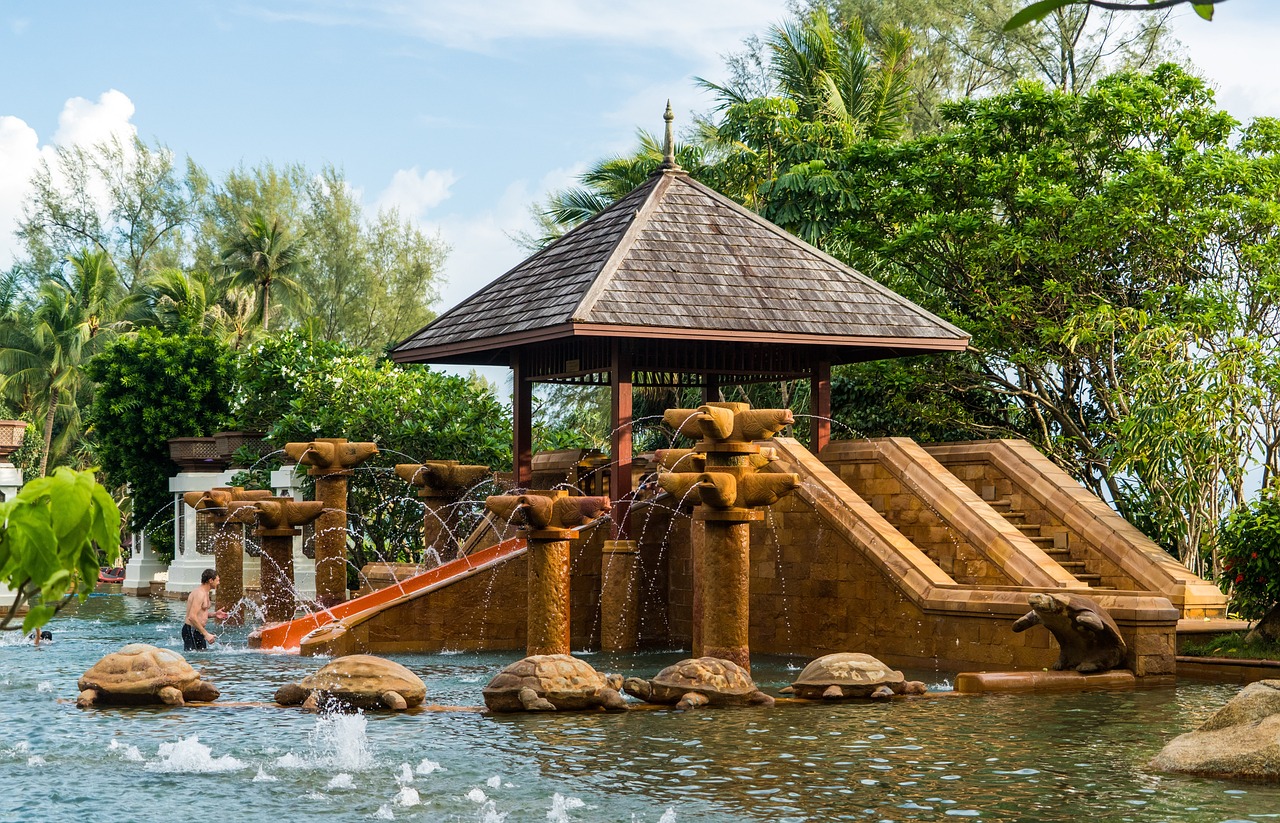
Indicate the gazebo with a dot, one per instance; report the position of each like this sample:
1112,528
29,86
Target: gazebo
675,285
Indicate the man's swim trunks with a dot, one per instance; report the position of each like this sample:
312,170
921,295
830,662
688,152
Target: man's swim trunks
192,640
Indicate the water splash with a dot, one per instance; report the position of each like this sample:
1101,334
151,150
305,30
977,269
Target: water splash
406,797
36,760
188,756
477,796
45,686
428,766
340,782
343,741
561,806
130,753
669,816
384,813
494,782
263,777
405,776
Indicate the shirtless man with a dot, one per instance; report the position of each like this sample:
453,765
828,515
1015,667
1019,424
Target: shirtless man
194,635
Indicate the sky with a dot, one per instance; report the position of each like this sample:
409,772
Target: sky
460,113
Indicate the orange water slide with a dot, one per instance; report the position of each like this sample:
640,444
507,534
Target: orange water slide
288,636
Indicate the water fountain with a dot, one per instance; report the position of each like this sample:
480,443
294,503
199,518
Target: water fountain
278,522
547,518
330,461
227,509
440,484
729,492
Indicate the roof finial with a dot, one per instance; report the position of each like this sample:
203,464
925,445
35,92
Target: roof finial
668,144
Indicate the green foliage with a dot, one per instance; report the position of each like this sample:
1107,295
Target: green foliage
54,534
413,414
1236,645
150,388
1042,8
1250,549
270,373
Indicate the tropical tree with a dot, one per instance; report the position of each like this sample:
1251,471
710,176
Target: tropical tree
43,354
262,256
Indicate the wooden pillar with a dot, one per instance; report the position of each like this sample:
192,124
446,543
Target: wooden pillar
711,388
820,406
620,438
522,420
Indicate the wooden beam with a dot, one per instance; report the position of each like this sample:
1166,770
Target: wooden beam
620,436
711,389
820,406
522,422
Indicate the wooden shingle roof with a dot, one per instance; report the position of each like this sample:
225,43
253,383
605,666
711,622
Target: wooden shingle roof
676,259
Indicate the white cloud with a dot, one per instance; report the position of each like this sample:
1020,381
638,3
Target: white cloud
706,27
82,122
414,193
1237,53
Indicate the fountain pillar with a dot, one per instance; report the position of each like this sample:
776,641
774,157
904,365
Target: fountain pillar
228,509
730,492
440,483
548,519
330,461
278,522
619,596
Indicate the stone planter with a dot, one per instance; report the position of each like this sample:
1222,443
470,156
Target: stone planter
196,454
11,432
228,442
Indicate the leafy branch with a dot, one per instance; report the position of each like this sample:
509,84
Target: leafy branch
1043,8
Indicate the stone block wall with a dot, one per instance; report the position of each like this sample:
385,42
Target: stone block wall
912,515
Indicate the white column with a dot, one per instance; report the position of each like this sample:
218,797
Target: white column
287,482
188,564
10,482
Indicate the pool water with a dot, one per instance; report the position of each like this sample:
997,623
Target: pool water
1007,758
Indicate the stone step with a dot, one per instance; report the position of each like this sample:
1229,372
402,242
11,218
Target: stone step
1001,505
1089,580
1076,567
1029,529
1042,542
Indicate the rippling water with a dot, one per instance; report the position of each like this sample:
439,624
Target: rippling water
1032,758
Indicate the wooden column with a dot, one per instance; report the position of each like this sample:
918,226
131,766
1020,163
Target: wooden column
711,388
620,438
522,420
820,406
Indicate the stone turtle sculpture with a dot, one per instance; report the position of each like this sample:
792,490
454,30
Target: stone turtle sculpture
357,681
699,682
1088,637
552,682
851,675
1241,741
140,674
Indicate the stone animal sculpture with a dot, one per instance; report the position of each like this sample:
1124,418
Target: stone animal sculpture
1241,741
140,674
1088,637
699,682
851,675
552,682
357,681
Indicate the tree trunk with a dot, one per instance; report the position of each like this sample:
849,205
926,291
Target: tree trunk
48,429
1268,628
266,303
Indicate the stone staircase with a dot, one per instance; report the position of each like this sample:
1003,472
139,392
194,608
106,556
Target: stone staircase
1054,545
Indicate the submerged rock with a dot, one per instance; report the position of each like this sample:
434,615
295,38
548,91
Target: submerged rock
1241,741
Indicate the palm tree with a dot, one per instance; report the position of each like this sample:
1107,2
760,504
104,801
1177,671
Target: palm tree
265,255
43,353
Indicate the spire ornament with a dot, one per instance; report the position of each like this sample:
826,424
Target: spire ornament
668,143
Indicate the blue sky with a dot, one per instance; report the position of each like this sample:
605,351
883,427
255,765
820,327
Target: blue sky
462,114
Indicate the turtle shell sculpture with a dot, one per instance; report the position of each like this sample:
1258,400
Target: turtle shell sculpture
699,682
139,675
851,675
552,682
357,681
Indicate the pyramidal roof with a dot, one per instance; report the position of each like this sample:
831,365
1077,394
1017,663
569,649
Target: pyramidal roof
676,259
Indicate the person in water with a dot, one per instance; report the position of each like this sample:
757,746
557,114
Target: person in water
39,635
194,634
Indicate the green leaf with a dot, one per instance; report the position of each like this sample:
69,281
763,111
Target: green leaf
1205,10
1035,11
